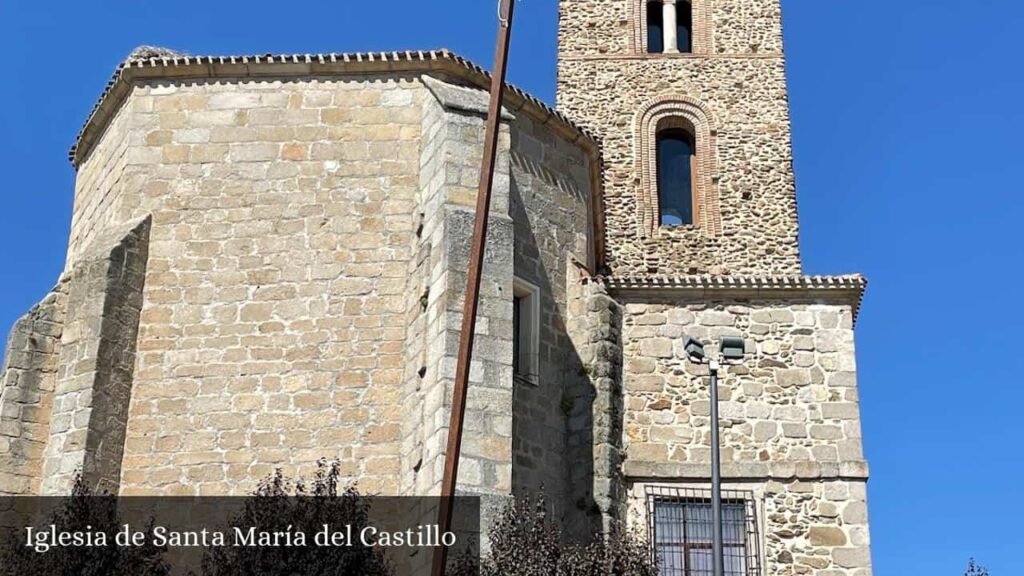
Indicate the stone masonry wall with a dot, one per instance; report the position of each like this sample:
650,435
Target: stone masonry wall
109,177
274,326
450,168
794,399
738,93
27,382
807,527
790,418
97,360
595,411
302,285
606,28
425,322
550,206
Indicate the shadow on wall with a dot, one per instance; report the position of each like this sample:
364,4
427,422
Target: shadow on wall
553,425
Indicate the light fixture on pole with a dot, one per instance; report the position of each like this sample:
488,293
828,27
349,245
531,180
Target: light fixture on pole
731,349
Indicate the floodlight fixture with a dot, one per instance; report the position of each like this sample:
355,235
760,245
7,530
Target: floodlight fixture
694,348
732,348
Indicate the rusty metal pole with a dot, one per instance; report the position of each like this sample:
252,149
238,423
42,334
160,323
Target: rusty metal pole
476,261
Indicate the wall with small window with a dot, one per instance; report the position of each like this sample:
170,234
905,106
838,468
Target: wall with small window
770,527
790,426
730,86
675,154
549,203
525,332
679,526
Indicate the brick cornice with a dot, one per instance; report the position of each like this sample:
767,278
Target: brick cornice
846,288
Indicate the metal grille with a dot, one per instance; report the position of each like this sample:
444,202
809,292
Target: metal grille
679,522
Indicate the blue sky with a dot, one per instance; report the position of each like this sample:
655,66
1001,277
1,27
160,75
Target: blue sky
908,119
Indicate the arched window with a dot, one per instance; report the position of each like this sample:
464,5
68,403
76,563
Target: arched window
676,172
684,25
671,26
677,168
655,28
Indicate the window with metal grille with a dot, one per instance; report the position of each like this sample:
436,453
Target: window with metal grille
679,523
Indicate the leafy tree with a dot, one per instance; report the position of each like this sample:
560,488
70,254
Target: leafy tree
280,504
81,511
525,542
974,569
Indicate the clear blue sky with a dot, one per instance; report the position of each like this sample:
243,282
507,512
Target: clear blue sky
909,117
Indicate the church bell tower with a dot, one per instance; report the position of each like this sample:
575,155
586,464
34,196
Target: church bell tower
689,99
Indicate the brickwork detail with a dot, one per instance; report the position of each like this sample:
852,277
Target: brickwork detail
702,25
677,112
739,84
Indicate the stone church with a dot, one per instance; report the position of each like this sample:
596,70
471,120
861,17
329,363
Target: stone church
268,254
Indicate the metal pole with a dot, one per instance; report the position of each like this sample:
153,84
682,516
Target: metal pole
476,261
716,479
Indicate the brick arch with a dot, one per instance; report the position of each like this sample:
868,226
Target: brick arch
674,111
702,22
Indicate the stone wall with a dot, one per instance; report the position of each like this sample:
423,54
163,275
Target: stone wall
608,28
97,362
27,381
794,399
274,327
815,527
450,168
300,290
595,410
738,94
790,418
550,205
108,182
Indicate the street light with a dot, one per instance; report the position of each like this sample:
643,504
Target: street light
731,349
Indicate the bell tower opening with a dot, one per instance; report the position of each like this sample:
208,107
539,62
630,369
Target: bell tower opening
669,26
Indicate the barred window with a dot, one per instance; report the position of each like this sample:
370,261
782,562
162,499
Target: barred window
681,532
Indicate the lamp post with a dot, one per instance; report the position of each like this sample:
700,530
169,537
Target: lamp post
731,348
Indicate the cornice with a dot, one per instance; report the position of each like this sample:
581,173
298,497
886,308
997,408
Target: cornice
181,67
846,288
